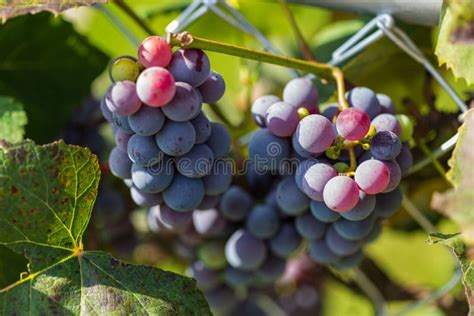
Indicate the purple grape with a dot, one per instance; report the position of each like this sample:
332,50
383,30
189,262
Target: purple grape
147,121
385,103
145,199
155,178
341,194
267,150
301,92
213,88
219,178
176,138
282,119
206,279
260,107
181,186
219,140
271,270
245,252
203,128
323,213
185,105
405,159
372,176
285,242
235,203
319,252
196,163
353,124
174,221
209,222
301,171
316,178
119,163
258,181
340,245
315,134
263,221
221,299
395,175
387,122
121,122
354,230
122,98
388,203
349,261
290,199
237,278
209,201
385,145
121,139
309,227
363,209
143,150
190,65
106,113
331,111
299,150
155,86
364,99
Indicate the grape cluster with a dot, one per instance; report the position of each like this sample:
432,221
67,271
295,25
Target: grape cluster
166,150
339,169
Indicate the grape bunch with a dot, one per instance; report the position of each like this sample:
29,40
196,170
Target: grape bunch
166,150
340,169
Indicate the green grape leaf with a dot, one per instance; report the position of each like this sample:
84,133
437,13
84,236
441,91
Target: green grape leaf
455,46
12,119
464,254
50,71
11,266
457,203
11,8
46,198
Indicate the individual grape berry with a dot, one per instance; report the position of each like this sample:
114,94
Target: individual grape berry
282,119
203,128
235,203
385,145
145,199
301,92
263,221
385,103
124,68
106,113
395,175
244,251
176,138
154,51
323,213
285,242
121,122
301,171
206,279
209,223
349,261
267,150
119,163
143,150
212,254
290,199
271,270
147,121
309,227
340,245
354,230
172,220
363,209
213,88
364,99
156,86
316,178
260,107
341,194
315,134
236,278
257,181
387,122
331,111
181,186
185,105
372,176
190,65
300,152
155,178
387,204
353,124
121,139
319,252
219,179
196,163
219,140
406,127
122,98
405,159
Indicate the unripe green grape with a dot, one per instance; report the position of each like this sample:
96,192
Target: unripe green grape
212,254
407,127
341,167
124,68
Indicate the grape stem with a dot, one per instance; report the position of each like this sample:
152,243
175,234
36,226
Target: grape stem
129,11
324,71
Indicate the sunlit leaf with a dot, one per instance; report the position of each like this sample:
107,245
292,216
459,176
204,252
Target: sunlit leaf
12,119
